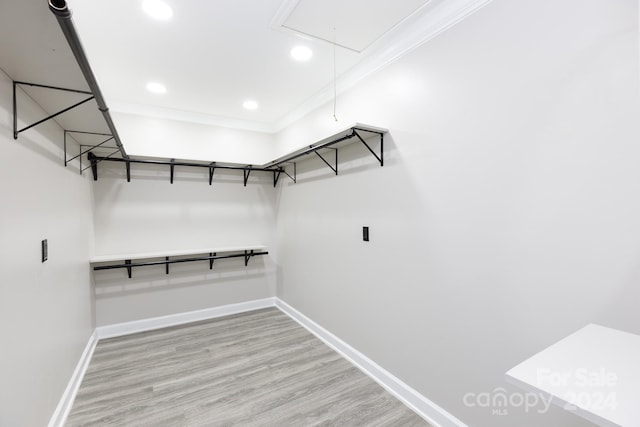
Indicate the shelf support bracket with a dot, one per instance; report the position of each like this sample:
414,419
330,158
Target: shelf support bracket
379,158
91,147
166,266
17,131
211,259
128,264
94,165
212,168
247,256
295,174
172,167
128,167
276,176
334,169
246,172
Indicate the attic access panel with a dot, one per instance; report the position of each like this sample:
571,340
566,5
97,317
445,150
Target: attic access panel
353,25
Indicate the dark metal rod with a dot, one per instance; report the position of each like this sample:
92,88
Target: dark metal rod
55,87
106,146
128,167
311,149
179,163
172,163
166,266
88,133
65,150
56,114
368,130
128,264
61,10
15,113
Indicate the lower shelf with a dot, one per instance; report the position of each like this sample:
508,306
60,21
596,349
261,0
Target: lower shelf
150,259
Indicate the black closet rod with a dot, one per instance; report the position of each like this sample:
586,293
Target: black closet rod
63,14
246,256
181,163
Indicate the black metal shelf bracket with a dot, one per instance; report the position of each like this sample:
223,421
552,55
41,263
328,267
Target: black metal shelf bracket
246,173
334,169
90,147
17,131
379,158
212,168
211,259
129,265
247,257
295,173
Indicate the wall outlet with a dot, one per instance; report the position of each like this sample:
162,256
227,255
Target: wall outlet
45,250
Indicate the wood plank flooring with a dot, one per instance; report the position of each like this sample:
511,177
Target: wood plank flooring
253,369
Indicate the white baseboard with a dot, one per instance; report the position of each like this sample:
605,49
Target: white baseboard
66,401
427,409
126,328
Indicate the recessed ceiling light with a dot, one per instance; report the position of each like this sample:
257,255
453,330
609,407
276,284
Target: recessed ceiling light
157,9
250,105
156,87
301,53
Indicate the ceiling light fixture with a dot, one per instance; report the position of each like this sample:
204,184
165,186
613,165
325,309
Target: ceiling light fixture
157,9
301,53
250,105
156,87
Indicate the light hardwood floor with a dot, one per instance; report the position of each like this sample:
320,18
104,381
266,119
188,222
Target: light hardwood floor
253,369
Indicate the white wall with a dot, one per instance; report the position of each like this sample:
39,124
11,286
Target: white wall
45,308
161,137
149,214
506,216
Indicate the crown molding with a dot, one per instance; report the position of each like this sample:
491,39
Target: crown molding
189,117
422,26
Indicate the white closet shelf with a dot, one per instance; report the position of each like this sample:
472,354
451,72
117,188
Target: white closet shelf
594,372
173,253
145,259
357,132
341,135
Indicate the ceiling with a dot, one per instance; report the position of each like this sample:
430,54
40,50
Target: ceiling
213,55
